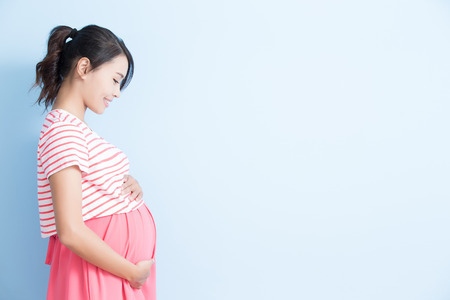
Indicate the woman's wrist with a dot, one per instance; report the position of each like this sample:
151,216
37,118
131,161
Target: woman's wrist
130,273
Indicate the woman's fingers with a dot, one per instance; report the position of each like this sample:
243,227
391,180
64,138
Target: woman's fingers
132,187
130,184
144,268
136,196
127,185
129,188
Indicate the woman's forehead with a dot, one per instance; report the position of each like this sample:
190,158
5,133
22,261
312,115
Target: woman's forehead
118,64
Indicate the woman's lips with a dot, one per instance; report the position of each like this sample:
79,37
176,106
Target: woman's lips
106,102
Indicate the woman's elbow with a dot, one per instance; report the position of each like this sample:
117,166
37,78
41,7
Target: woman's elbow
68,235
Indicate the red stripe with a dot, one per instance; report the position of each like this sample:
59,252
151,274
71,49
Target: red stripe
99,170
45,232
103,195
70,161
53,224
104,203
140,201
63,144
93,140
47,219
78,159
92,157
58,127
121,173
64,149
44,205
97,184
106,159
108,209
40,193
99,144
50,121
100,190
63,137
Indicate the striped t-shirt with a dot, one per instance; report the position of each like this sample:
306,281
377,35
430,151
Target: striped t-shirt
66,141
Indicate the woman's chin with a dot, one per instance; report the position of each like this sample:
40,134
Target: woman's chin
98,110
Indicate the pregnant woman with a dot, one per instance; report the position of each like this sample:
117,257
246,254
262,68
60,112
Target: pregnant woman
101,234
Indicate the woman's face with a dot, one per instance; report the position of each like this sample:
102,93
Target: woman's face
103,84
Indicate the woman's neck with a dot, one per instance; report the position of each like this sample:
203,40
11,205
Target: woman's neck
68,100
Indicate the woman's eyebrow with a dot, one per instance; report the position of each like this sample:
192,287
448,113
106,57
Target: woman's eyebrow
120,74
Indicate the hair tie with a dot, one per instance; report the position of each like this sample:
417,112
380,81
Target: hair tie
73,33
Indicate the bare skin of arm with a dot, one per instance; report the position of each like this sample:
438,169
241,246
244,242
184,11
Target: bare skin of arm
80,239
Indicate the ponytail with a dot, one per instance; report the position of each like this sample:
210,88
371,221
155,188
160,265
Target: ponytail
48,75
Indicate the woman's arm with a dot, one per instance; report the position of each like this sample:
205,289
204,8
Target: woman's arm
74,234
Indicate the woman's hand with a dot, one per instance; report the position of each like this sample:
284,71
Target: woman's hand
142,273
130,185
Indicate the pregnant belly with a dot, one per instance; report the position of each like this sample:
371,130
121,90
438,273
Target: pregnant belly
132,234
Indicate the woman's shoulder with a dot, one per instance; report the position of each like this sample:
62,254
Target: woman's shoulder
60,115
59,122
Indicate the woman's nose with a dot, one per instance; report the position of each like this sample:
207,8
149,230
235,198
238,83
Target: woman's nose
117,93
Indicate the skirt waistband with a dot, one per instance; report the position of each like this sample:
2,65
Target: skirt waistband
53,239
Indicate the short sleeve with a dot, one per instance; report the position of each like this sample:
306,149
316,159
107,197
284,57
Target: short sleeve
61,146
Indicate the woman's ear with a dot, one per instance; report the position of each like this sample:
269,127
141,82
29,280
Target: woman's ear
83,67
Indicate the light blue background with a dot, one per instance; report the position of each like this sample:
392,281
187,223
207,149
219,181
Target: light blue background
287,149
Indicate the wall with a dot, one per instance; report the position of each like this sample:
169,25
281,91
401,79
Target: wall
287,150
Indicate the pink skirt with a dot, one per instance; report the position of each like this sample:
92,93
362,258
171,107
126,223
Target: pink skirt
132,235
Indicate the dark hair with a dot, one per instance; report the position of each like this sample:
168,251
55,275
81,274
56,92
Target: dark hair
96,43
